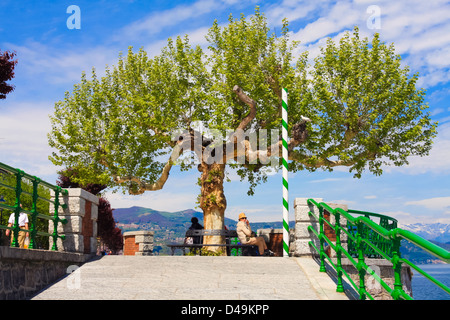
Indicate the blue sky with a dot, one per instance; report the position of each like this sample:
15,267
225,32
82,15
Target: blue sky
52,57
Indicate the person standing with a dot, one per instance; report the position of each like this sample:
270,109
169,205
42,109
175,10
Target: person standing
23,224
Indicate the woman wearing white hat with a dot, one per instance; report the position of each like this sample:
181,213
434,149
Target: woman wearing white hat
244,233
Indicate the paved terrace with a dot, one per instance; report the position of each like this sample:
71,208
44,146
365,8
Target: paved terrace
195,278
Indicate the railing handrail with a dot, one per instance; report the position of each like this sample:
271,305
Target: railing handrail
426,245
36,182
29,176
394,235
373,214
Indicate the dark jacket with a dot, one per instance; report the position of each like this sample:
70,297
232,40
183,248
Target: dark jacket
196,226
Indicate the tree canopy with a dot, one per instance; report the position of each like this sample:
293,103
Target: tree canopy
363,106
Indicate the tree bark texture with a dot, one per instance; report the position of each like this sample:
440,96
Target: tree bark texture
213,202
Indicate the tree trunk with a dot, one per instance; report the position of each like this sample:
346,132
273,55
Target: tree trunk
213,202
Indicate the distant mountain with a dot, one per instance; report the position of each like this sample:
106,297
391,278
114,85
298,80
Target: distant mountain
140,216
171,226
433,232
438,232
419,256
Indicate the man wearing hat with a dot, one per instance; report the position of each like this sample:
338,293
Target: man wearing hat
244,233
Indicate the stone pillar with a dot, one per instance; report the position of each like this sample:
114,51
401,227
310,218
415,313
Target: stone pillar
138,243
81,227
330,232
302,221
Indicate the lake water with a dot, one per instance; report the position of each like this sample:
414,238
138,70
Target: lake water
424,289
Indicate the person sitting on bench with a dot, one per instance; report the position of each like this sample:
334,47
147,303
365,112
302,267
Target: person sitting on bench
196,239
244,232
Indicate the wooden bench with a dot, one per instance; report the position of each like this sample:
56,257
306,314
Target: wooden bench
247,249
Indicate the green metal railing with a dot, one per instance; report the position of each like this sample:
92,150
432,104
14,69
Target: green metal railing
369,239
36,195
385,245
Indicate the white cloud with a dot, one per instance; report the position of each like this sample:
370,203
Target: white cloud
437,111
404,217
418,29
292,10
325,180
341,201
256,213
344,15
439,58
23,133
438,203
156,22
48,64
438,161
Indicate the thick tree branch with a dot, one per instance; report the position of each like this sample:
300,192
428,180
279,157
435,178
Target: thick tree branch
325,162
243,147
275,86
186,141
248,101
159,184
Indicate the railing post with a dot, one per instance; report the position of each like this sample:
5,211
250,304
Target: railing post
17,209
397,266
55,220
33,228
342,223
360,266
322,240
340,287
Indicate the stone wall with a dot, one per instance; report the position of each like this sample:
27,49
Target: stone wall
25,272
385,271
138,243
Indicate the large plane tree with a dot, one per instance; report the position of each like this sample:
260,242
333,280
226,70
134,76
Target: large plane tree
354,106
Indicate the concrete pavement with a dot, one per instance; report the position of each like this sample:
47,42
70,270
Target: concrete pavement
195,278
